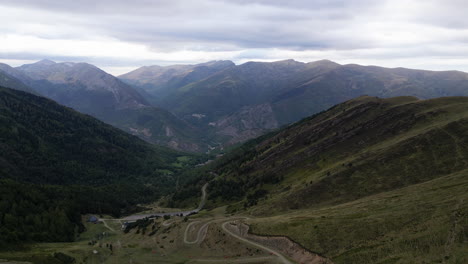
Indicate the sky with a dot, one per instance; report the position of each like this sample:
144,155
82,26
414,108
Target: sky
121,35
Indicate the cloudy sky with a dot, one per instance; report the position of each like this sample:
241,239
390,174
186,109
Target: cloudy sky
121,35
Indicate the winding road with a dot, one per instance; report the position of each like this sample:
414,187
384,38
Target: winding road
202,233
274,252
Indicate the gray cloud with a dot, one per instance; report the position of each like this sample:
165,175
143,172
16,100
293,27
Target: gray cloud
255,29
258,24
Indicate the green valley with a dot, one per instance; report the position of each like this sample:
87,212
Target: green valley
57,164
370,180
233,132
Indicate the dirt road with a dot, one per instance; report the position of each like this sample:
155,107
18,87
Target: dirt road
201,233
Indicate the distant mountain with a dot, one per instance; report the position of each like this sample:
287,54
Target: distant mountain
287,91
82,86
56,164
366,176
160,80
348,81
90,90
218,103
11,78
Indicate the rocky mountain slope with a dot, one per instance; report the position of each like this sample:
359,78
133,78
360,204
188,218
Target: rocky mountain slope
292,90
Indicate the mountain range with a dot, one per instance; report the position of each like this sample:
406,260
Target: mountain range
244,101
201,107
368,180
90,90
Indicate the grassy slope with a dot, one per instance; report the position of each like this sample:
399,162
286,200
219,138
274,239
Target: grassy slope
422,223
358,148
367,174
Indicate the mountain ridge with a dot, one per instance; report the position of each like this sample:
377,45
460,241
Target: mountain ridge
90,90
295,89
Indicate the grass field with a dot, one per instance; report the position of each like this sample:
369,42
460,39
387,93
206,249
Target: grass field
423,223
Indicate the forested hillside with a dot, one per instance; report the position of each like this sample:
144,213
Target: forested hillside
56,163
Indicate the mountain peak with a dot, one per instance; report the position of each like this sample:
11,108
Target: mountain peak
323,63
45,62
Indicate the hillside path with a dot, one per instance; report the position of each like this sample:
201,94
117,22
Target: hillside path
274,252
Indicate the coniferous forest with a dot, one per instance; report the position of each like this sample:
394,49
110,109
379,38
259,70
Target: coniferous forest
57,164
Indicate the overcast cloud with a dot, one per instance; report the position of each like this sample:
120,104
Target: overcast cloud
120,35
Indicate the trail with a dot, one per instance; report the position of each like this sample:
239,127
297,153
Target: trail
186,233
108,227
279,255
167,223
201,236
203,198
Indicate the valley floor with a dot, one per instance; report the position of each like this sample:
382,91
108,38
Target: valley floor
423,223
203,239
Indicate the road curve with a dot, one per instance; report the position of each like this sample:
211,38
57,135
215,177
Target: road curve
279,255
201,232
203,228
186,234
